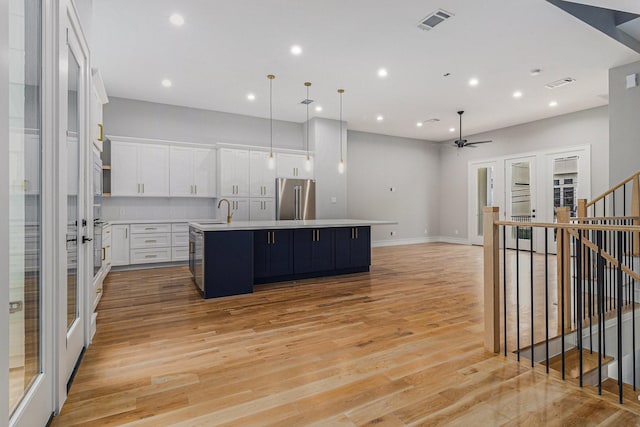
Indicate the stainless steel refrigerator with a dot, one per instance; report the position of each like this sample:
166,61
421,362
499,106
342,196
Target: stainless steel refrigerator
295,199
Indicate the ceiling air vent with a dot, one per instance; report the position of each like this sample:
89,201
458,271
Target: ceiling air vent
434,19
560,83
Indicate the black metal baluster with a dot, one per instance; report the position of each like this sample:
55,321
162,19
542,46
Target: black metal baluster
518,291
562,284
591,293
613,195
531,281
619,247
624,199
504,283
546,295
579,297
600,278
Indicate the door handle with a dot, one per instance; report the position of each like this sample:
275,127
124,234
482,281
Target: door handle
15,306
86,239
101,129
75,239
352,233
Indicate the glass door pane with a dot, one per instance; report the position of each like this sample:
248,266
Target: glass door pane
73,176
25,147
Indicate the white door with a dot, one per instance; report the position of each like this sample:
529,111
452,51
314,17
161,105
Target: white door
124,169
26,279
181,172
520,191
204,166
153,170
76,248
482,191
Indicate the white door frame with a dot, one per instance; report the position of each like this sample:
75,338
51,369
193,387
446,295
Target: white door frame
71,345
533,191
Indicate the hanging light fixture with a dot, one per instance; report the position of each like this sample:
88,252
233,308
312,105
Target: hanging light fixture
307,164
271,162
341,164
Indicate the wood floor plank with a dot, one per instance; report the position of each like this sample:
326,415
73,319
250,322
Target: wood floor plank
400,345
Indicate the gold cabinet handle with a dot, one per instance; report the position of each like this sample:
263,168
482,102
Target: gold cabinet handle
356,232
318,234
273,237
268,237
98,290
101,135
104,254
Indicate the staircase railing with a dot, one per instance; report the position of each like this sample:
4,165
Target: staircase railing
591,280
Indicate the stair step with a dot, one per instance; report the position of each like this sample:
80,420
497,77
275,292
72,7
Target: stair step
572,362
630,396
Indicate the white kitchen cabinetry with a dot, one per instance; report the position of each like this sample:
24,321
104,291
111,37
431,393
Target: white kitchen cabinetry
263,179
98,99
239,209
233,168
293,166
120,245
262,210
192,172
139,169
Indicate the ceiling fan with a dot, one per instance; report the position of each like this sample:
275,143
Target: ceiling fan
461,143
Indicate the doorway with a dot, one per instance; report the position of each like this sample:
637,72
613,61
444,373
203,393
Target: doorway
482,181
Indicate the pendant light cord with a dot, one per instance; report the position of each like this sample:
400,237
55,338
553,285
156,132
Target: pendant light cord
307,84
341,91
271,77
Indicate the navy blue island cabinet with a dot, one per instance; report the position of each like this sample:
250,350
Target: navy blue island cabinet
272,254
314,250
230,262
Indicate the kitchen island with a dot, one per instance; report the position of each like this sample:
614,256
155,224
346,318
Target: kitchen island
228,259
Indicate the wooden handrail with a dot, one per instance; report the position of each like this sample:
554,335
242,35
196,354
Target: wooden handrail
612,189
604,218
631,228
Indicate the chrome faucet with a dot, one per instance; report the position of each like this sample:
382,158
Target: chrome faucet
229,214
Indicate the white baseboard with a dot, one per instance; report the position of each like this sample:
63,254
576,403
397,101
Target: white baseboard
418,240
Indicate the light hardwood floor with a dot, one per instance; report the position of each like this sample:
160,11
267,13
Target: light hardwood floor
401,345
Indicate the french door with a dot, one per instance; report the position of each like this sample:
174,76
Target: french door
73,226
521,196
482,192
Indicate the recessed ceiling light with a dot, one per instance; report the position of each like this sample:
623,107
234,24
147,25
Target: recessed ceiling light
382,72
473,82
251,97
517,94
553,104
296,50
452,129
379,118
176,19
318,108
166,83
419,124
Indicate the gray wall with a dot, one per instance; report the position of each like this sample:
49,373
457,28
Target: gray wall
324,138
581,128
128,117
624,120
411,167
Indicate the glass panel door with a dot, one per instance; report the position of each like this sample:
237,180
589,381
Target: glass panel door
481,192
521,200
30,392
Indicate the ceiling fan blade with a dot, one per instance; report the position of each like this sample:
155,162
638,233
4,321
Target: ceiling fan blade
477,142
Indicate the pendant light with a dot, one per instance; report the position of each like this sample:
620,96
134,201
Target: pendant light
271,162
341,164
307,164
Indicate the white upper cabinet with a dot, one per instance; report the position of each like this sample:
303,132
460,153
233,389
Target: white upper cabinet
263,179
192,172
98,99
293,166
139,169
233,167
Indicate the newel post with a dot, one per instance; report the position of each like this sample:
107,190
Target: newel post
491,233
582,208
564,269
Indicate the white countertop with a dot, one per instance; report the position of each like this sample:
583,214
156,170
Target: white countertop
286,224
163,221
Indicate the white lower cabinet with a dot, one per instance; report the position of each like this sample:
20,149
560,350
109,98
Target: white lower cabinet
120,245
134,244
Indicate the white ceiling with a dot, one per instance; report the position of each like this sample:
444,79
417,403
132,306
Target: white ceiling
225,49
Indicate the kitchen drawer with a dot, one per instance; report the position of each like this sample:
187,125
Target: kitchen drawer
180,239
146,256
151,240
181,227
150,228
180,254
